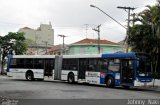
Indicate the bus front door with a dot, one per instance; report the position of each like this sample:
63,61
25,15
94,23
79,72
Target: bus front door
48,67
127,71
82,68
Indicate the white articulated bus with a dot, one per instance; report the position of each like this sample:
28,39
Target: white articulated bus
116,69
31,67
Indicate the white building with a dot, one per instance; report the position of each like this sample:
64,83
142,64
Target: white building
39,39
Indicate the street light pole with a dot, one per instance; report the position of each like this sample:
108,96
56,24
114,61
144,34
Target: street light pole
63,36
129,8
108,15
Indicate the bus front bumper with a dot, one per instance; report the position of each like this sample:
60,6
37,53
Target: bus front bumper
142,84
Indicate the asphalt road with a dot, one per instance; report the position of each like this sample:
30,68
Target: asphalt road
22,89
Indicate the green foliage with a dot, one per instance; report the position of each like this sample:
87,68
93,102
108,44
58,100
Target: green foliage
141,39
145,35
14,42
156,75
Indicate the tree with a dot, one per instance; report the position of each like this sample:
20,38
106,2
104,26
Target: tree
14,43
145,35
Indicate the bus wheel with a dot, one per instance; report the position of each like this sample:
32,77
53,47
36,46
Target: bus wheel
110,82
29,76
71,78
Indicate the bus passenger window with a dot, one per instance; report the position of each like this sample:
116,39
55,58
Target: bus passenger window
74,68
103,64
70,64
20,63
38,63
114,65
92,66
29,63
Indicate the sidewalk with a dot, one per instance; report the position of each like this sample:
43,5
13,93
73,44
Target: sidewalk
156,86
157,83
3,76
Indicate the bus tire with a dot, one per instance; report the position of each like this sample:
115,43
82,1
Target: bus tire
110,82
71,78
29,76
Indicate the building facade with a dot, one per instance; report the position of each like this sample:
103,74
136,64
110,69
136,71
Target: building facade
39,39
88,46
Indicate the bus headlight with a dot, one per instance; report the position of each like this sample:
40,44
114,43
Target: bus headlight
137,80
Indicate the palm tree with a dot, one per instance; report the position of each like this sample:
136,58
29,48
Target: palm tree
145,37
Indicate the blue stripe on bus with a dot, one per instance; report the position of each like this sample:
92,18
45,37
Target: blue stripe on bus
119,55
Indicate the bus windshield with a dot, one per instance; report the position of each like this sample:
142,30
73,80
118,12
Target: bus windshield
144,65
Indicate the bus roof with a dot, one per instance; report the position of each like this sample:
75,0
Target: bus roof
107,55
33,56
83,56
119,55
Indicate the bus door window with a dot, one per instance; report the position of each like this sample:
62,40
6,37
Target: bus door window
49,66
127,70
83,66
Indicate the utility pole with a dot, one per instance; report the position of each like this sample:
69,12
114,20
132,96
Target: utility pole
133,18
129,11
63,36
98,31
46,44
86,29
36,44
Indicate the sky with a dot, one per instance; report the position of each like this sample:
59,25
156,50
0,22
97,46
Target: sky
69,17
